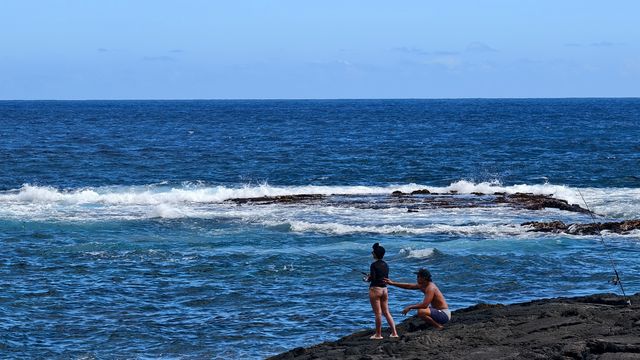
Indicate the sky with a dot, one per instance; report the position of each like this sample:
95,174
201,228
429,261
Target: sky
236,49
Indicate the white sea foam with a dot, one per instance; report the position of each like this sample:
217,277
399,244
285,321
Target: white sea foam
159,194
153,195
407,229
466,187
201,201
167,212
342,229
417,253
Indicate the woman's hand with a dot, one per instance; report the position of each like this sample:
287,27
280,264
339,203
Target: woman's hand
388,281
406,310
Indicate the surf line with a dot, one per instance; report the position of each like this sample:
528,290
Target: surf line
616,279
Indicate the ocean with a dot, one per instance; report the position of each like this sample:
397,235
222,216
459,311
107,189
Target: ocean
119,239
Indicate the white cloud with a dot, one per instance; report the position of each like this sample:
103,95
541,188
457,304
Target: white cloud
477,46
449,61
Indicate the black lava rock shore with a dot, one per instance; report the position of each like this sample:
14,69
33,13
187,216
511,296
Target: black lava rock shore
599,326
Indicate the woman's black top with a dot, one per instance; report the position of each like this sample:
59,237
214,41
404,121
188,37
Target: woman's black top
378,271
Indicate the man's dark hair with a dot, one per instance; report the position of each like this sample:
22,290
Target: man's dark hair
378,250
424,274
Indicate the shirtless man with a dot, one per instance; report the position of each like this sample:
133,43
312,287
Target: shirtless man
433,309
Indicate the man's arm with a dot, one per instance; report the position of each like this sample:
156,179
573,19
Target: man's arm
428,297
401,285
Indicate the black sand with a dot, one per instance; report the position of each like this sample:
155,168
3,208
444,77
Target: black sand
593,327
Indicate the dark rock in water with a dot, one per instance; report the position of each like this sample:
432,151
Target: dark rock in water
400,199
623,227
421,192
518,200
590,327
553,226
538,202
263,200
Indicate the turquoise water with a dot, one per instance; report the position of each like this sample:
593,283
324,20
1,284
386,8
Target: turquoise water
118,242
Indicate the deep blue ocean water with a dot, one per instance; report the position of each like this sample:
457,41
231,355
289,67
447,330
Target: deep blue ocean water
117,241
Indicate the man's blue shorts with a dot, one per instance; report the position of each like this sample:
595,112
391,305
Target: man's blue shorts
440,316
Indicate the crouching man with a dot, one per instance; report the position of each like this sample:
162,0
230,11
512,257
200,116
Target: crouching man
433,309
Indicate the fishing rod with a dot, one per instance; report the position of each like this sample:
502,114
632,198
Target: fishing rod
331,260
616,279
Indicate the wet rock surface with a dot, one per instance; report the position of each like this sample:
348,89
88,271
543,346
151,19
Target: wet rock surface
622,227
600,326
537,202
420,200
283,199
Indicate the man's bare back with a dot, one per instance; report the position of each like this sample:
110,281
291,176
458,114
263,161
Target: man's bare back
437,299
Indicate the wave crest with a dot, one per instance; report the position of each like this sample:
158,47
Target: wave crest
417,253
154,194
205,201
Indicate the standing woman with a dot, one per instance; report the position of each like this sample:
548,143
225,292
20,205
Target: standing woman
378,293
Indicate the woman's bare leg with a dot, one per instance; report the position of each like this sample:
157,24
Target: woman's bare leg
374,298
384,304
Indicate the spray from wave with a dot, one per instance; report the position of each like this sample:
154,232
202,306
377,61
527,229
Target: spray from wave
331,228
417,253
154,194
206,201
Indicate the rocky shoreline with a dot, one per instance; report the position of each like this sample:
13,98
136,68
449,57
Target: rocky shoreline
601,326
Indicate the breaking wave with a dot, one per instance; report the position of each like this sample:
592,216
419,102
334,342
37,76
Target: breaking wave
408,229
201,201
417,253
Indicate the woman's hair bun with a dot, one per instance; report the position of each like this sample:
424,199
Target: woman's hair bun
378,250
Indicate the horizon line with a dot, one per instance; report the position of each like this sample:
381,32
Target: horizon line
333,99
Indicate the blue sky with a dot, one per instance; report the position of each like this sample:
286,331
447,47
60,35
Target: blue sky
143,49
